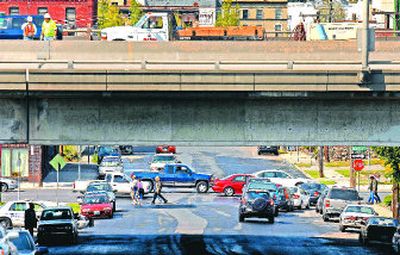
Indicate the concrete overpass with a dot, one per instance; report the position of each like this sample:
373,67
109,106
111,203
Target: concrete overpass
187,93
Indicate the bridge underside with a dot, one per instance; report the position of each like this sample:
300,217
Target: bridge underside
250,118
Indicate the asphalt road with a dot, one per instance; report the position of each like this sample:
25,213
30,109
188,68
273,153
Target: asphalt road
194,223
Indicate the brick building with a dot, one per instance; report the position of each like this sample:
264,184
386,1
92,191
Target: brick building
271,14
72,13
23,160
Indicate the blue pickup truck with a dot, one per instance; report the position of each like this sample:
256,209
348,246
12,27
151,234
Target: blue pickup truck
177,175
10,26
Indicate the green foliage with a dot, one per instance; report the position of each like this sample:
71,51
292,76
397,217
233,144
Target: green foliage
108,15
95,158
75,207
313,173
338,164
388,200
136,12
327,182
338,12
71,153
229,15
302,164
391,157
280,151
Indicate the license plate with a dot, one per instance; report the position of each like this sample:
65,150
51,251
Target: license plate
96,213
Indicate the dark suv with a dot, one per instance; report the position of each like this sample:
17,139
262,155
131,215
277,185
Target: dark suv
262,149
257,202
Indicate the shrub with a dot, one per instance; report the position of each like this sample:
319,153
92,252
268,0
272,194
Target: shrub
387,200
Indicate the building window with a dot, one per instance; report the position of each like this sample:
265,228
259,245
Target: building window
278,27
14,162
42,10
245,14
278,13
70,16
14,11
259,14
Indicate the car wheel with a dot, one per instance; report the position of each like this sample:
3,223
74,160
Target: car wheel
241,217
6,223
271,219
114,206
308,206
4,187
259,153
325,218
276,153
342,228
228,191
316,209
202,187
276,214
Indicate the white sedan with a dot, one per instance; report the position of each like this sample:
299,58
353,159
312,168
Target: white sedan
12,213
301,199
354,214
280,177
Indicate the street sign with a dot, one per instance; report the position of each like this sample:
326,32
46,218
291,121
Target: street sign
357,156
57,161
359,148
358,165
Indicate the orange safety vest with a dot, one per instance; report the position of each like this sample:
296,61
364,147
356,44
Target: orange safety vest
29,30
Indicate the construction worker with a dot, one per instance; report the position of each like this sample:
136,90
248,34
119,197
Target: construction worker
29,29
49,28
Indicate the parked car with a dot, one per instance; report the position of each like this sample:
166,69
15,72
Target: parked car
179,176
102,186
57,222
285,199
280,177
396,241
230,185
10,26
7,184
126,149
104,151
12,213
301,199
97,205
25,244
271,187
314,189
263,149
159,161
378,229
6,245
111,164
320,201
353,215
257,202
166,149
336,200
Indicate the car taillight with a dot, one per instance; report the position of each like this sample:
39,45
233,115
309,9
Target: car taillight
295,196
365,219
271,202
103,36
350,218
316,194
327,203
274,197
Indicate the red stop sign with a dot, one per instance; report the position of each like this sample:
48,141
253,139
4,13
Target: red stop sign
358,164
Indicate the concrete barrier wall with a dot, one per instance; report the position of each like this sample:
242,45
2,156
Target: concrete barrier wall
95,50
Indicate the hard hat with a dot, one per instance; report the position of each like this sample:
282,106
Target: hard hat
47,16
29,19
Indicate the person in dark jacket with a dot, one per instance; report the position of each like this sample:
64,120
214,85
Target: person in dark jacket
30,219
157,191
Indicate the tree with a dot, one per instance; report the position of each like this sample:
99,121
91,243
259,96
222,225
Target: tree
331,11
229,15
391,156
136,12
108,15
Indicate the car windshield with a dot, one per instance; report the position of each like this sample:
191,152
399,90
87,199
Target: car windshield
262,185
110,161
384,222
56,214
163,158
254,194
312,186
95,200
3,23
24,242
99,187
360,209
344,194
140,21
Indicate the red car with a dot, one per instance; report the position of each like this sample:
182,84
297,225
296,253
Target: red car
231,185
166,149
97,206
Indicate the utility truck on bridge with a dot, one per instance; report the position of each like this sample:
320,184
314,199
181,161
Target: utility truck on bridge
162,27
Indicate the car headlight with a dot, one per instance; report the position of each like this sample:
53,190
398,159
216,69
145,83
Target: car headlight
41,228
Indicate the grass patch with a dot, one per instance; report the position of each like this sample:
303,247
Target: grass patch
387,200
282,152
302,164
375,161
337,164
75,207
313,173
344,172
327,182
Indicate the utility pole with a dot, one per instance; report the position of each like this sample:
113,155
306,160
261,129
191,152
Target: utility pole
365,37
321,161
330,11
352,171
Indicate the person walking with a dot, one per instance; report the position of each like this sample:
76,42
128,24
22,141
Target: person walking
134,189
30,219
375,188
140,191
372,187
49,28
29,29
157,191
